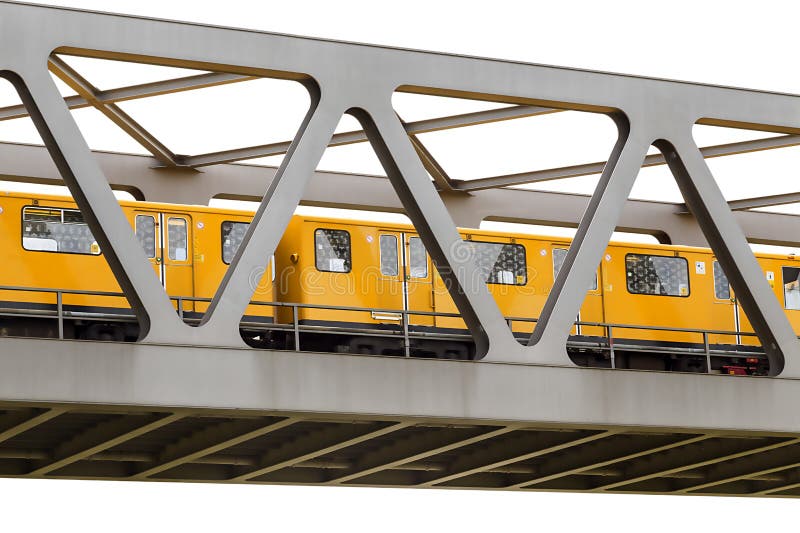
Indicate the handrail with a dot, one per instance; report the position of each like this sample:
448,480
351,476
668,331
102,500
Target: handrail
405,325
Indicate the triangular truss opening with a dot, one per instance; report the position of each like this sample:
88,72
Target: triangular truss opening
680,294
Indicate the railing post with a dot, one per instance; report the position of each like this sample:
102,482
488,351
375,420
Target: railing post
296,324
406,340
609,329
180,307
708,352
60,313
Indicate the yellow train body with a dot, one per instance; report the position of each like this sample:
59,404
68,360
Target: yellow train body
376,266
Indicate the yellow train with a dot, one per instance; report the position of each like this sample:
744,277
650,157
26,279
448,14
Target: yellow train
660,299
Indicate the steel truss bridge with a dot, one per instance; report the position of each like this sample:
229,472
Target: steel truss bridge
193,403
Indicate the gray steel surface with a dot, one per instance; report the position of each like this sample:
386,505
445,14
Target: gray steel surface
72,409
192,403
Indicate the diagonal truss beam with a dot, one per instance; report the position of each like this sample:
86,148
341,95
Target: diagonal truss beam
138,91
589,244
17,422
211,440
605,454
89,92
103,437
317,444
780,458
726,239
503,454
413,449
674,461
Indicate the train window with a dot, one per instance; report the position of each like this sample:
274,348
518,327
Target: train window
657,275
417,258
177,239
388,246
332,250
47,229
500,263
146,234
722,289
559,254
232,236
791,287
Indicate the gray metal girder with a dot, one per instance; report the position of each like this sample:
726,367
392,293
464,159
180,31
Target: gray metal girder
360,80
72,409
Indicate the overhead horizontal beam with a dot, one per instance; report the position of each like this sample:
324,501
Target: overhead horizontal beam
32,164
135,92
526,178
353,137
764,201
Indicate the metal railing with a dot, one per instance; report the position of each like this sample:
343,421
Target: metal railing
607,342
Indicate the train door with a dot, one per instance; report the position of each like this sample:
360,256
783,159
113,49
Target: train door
592,309
390,285
406,280
725,312
418,279
166,238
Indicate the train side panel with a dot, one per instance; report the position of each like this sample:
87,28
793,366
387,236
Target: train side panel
662,288
32,257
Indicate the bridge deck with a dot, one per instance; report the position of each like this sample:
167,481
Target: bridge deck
76,409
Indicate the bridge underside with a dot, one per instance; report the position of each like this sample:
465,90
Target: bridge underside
134,412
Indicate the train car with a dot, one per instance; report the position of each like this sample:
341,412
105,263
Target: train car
659,299
369,287
48,245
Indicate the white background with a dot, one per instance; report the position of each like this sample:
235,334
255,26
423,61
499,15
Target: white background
745,44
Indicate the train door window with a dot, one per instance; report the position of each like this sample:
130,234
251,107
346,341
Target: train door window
559,254
332,250
146,234
388,250
657,275
177,239
722,289
47,229
791,287
417,258
232,236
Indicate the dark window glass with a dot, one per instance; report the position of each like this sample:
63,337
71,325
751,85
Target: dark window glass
722,289
388,245
657,275
559,254
500,263
146,234
232,236
332,250
48,229
791,287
